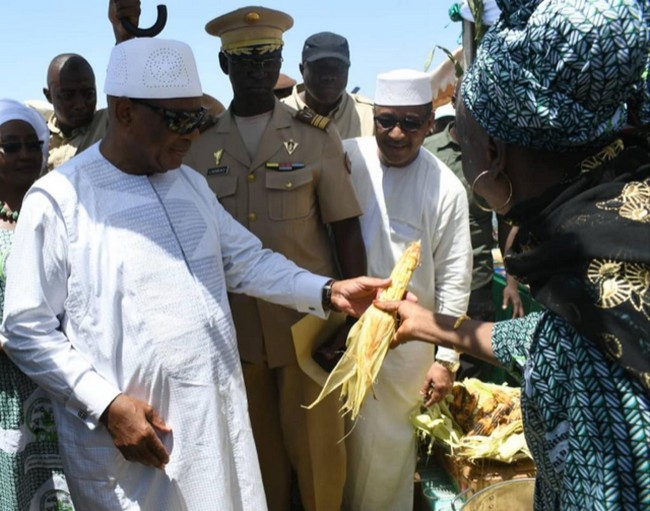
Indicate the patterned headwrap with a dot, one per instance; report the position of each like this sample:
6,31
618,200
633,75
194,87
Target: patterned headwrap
556,74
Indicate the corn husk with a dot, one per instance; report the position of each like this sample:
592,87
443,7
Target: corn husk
487,426
434,424
368,341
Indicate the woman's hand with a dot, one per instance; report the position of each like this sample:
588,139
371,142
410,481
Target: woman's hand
413,320
511,296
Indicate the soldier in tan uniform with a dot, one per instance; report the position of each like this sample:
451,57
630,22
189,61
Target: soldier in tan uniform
73,122
324,69
283,175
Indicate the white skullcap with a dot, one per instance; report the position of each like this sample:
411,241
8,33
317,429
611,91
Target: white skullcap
150,68
403,87
11,110
491,12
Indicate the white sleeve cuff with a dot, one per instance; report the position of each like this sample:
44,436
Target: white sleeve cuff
447,355
309,294
91,396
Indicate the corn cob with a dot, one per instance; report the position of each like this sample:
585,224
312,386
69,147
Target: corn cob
369,340
495,423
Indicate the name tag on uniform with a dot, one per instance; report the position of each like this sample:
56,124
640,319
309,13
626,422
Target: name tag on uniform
218,171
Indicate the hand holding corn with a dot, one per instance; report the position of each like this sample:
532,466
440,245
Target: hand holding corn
354,296
369,340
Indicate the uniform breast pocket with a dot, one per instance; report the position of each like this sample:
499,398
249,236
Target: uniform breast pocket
290,194
403,233
225,188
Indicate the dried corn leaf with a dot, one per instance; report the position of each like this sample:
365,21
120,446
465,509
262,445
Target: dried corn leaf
369,340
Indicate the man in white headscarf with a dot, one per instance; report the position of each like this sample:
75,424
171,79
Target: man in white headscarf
406,194
117,303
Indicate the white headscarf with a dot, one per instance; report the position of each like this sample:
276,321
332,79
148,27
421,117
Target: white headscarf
11,110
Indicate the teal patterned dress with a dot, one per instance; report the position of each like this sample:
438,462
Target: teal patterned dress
31,475
586,420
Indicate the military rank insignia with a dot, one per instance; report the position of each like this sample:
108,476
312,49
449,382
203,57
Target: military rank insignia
217,156
310,117
290,145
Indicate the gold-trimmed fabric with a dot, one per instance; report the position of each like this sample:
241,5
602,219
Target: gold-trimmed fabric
633,203
619,283
263,48
608,153
584,249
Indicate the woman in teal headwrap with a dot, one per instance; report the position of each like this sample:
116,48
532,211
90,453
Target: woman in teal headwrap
31,473
540,117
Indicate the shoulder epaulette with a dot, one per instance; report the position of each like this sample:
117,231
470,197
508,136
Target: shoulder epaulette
362,99
310,117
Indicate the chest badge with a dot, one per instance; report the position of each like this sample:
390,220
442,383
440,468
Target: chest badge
290,145
217,156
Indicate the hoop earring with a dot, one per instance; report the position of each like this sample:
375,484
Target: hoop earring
486,207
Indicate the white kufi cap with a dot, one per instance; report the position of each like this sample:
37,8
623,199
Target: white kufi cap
150,68
403,87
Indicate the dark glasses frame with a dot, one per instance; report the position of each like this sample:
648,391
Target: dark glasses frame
407,124
268,64
180,122
33,146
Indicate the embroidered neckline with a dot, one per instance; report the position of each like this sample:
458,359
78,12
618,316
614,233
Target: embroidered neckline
608,153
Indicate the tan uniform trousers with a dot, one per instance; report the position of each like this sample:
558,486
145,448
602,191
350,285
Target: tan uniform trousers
287,435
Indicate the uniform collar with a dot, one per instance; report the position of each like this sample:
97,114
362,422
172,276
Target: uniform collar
335,113
281,118
443,140
55,130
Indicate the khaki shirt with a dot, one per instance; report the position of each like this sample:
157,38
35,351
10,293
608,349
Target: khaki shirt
286,209
353,117
62,148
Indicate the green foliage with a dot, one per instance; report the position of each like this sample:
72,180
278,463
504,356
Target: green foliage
457,67
476,8
427,63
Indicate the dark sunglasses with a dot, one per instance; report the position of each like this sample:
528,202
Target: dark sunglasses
181,122
409,124
34,146
269,64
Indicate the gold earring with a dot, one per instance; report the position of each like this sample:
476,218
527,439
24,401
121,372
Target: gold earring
486,207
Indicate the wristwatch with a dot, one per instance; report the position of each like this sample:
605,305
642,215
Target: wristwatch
326,296
451,366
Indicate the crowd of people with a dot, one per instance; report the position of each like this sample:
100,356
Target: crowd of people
156,254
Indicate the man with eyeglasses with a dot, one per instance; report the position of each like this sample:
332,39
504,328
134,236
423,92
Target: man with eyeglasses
283,175
324,69
116,303
406,194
